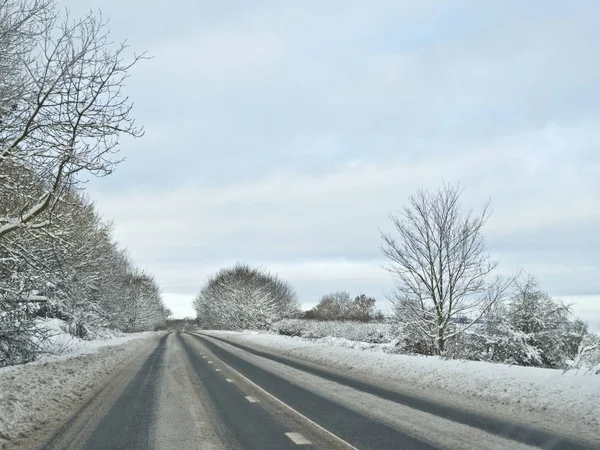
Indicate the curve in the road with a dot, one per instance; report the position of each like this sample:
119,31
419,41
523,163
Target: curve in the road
499,427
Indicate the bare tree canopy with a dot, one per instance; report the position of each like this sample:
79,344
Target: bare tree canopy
242,297
62,109
440,265
62,114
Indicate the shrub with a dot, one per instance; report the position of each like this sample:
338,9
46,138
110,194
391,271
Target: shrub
373,333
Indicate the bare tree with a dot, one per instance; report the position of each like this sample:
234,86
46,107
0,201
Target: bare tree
63,109
440,265
21,23
363,309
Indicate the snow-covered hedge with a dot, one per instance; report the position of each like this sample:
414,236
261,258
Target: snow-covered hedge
375,333
588,354
478,344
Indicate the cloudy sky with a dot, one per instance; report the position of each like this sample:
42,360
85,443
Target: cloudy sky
282,133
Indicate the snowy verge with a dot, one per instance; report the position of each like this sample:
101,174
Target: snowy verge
572,395
59,344
33,394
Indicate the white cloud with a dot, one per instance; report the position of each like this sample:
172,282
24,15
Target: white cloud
587,308
282,134
180,305
217,56
346,207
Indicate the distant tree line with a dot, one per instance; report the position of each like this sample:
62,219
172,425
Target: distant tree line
340,306
186,324
62,112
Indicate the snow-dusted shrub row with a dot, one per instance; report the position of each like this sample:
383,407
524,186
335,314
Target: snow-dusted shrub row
375,333
479,344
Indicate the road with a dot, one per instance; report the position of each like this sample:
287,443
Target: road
194,391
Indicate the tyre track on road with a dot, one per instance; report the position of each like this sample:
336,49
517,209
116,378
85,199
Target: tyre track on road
247,424
359,430
516,432
128,423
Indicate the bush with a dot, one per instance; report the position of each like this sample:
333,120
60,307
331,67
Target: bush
372,333
339,306
531,329
244,298
588,354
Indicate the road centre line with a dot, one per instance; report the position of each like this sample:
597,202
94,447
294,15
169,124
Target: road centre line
298,439
285,405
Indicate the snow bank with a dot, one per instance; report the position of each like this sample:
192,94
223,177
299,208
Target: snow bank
572,395
34,393
57,341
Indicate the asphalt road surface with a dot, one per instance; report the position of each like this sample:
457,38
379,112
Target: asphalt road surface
195,391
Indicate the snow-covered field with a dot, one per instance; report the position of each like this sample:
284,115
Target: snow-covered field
572,395
33,393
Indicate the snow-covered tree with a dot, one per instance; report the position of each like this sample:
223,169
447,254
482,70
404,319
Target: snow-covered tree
587,355
441,267
544,323
244,298
333,306
531,329
340,306
62,113
62,107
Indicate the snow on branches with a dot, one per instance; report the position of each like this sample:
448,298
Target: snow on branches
62,113
62,109
241,298
441,268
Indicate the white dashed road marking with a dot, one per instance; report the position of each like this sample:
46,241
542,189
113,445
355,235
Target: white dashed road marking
285,405
210,362
251,399
228,380
218,370
298,439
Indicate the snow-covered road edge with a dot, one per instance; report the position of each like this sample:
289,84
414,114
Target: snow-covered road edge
34,393
572,396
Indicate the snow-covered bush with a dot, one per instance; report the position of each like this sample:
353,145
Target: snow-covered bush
588,354
530,329
242,298
20,336
371,332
